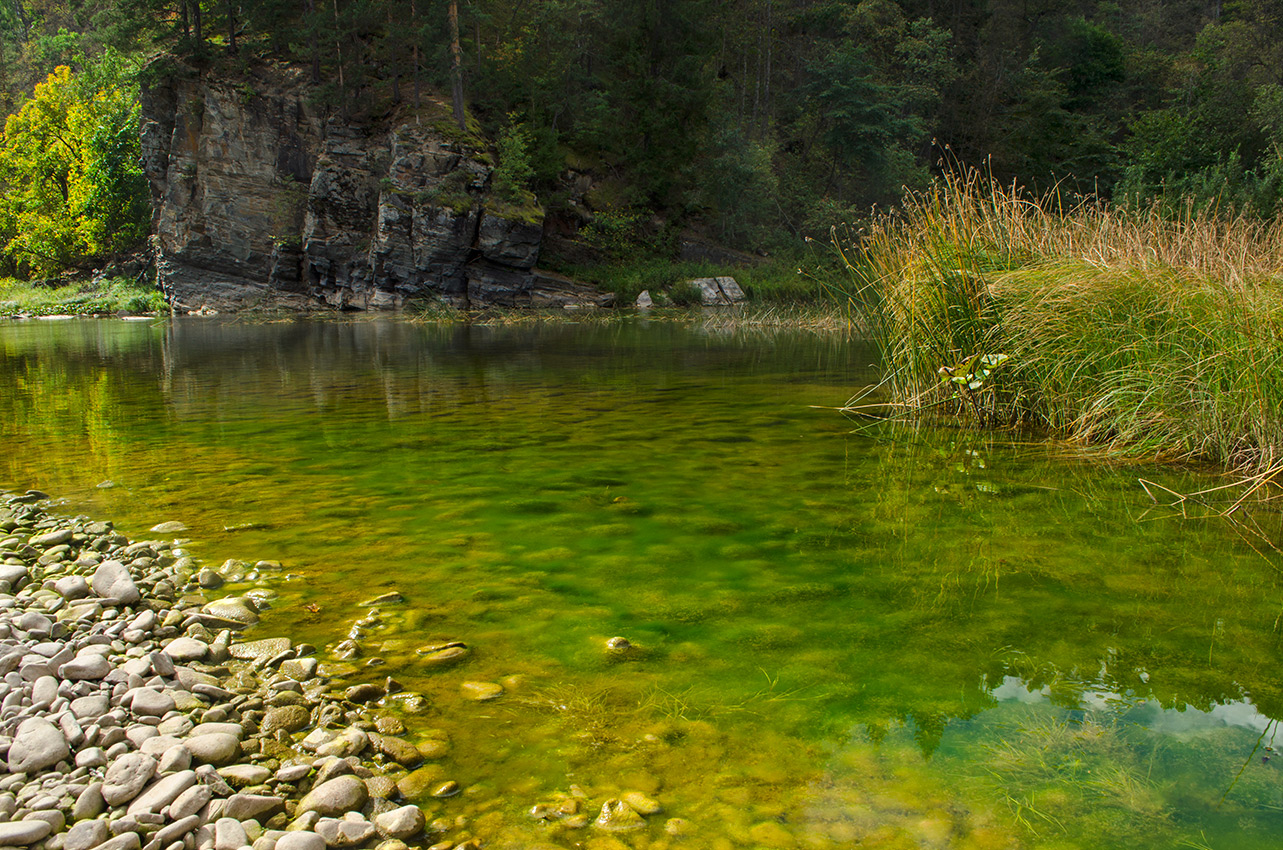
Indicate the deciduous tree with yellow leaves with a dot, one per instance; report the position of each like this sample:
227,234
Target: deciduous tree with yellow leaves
71,188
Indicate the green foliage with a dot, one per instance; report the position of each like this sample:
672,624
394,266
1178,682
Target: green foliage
740,186
73,190
81,298
755,121
512,176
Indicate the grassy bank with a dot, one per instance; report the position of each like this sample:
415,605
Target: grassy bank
775,281
78,298
1143,334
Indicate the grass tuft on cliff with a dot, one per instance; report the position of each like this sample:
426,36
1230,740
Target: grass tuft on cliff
79,298
1148,335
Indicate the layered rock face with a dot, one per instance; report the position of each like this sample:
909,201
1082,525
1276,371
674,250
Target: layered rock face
259,201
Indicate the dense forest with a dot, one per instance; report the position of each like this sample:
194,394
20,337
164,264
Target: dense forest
755,121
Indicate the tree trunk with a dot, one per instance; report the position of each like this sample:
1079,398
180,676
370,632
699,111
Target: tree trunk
338,52
21,15
196,28
182,11
456,70
231,26
414,49
312,45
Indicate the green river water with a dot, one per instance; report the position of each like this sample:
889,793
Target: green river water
845,637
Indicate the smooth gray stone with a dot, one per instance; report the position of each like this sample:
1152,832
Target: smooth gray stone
163,792
175,758
178,725
244,775
124,841
86,667
234,729
216,748
300,841
172,526
43,692
91,707
111,580
159,744
91,757
86,835
139,734
126,778
299,669
233,610
23,832
257,807
177,830
72,587
151,702
35,623
49,814
39,744
13,574
209,579
400,823
213,692
52,538
190,801
229,834
256,649
293,772
162,664
89,804
183,649
335,797
340,832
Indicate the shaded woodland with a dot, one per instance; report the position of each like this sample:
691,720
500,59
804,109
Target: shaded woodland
759,121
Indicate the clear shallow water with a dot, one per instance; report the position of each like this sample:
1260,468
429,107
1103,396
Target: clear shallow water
883,638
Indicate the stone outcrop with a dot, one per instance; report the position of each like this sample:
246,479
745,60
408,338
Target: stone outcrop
260,200
717,291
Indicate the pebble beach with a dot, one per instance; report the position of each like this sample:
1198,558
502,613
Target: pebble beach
138,711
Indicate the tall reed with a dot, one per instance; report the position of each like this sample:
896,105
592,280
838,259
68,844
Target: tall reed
1145,334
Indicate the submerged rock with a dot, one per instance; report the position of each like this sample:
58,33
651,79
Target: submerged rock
618,816
481,691
443,654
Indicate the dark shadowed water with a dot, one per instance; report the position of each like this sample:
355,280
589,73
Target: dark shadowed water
878,638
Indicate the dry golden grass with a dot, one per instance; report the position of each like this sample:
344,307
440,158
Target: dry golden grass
1146,335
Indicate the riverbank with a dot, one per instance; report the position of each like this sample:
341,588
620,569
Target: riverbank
135,713
1146,335
111,297
774,284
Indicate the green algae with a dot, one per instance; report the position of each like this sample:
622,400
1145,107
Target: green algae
884,638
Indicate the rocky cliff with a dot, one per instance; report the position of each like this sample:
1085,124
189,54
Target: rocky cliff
260,200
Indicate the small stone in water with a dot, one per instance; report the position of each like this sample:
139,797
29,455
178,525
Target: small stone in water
364,693
642,804
482,691
389,598
443,655
171,527
618,816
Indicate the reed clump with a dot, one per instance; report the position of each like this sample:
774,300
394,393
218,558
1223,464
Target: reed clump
1145,334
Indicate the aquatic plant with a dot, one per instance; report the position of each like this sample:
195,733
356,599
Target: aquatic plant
1148,335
